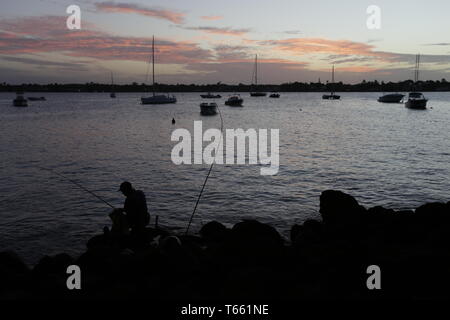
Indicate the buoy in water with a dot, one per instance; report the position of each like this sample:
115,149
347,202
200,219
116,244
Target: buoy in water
173,120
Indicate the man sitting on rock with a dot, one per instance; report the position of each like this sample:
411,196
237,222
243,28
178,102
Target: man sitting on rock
134,209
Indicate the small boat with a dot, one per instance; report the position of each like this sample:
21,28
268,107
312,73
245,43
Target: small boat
331,96
210,96
416,100
255,81
208,109
234,101
391,98
258,94
36,99
20,101
274,95
112,95
157,99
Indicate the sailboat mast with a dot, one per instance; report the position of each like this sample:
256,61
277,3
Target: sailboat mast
418,66
153,64
332,80
256,69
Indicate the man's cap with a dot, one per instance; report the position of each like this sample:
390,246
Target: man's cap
125,186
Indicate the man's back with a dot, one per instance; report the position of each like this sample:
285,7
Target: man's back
136,209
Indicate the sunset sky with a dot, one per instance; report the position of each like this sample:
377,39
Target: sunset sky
201,41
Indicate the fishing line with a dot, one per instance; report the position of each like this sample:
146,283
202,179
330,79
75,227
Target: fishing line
78,185
209,172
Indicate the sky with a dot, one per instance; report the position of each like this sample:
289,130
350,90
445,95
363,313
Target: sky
199,41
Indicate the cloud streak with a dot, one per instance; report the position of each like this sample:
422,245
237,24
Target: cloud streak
211,18
222,31
41,36
130,8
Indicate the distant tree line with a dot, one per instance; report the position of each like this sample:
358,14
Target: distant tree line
364,86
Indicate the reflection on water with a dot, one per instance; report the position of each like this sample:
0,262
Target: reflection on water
382,154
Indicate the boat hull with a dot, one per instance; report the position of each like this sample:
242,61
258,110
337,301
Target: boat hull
20,103
391,98
258,94
208,109
274,95
331,97
416,104
210,96
234,103
161,99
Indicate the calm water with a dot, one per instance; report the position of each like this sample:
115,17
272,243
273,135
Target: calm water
382,154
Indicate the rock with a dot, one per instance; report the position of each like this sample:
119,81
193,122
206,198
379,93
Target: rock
254,232
337,207
433,210
53,265
10,261
214,232
295,231
310,233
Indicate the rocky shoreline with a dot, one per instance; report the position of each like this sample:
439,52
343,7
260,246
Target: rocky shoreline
325,259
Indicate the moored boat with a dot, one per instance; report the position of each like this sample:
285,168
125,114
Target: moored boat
234,101
274,95
20,101
331,96
36,99
416,100
255,81
208,109
157,99
210,96
112,94
391,98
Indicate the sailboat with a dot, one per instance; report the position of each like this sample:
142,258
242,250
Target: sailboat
416,100
331,96
112,94
157,99
255,79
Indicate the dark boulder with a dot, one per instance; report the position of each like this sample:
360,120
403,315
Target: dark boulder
10,262
432,211
309,232
53,265
252,232
214,232
14,276
339,207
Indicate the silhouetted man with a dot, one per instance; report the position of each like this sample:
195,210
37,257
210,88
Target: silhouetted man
135,207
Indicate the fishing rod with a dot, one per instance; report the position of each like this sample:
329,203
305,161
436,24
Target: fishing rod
207,176
78,185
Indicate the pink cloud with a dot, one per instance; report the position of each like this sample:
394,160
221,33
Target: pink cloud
222,31
211,18
46,34
113,7
301,46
